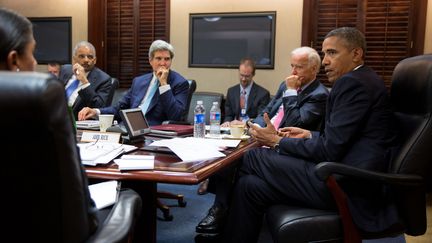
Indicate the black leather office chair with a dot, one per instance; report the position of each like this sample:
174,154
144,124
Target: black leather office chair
114,86
45,195
192,88
408,175
183,120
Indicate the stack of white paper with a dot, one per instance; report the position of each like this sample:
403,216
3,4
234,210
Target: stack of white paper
196,149
104,194
135,162
101,152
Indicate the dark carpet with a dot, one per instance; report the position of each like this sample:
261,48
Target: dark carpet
182,228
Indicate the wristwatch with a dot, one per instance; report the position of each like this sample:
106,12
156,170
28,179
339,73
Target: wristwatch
276,147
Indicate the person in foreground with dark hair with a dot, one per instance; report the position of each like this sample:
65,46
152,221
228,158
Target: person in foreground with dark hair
357,132
161,94
17,43
85,84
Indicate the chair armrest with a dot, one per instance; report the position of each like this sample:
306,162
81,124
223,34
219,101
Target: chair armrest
121,219
325,169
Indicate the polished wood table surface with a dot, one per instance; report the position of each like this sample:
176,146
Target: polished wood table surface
168,169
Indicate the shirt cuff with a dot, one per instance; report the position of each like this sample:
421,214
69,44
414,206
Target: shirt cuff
97,112
290,92
164,88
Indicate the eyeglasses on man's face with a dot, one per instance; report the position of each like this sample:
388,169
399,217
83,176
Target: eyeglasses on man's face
245,76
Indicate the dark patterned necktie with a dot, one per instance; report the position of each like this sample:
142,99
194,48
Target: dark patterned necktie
243,99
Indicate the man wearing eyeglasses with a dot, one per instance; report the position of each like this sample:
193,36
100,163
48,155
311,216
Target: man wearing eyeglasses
246,99
85,84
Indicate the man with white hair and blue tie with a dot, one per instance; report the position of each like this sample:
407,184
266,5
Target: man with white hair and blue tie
161,94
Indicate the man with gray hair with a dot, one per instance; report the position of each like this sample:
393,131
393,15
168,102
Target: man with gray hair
301,98
85,84
161,94
300,101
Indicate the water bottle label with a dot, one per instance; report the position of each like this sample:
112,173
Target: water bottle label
199,118
215,116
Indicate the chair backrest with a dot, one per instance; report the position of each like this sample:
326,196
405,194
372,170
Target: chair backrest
118,94
45,194
114,86
192,88
208,98
411,96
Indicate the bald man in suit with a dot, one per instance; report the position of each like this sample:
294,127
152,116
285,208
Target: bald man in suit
85,84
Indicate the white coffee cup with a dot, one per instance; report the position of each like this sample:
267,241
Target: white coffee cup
105,121
237,130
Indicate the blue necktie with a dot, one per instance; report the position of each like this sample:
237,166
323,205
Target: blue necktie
72,87
152,91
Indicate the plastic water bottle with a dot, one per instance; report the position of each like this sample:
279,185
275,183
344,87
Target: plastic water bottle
215,119
199,120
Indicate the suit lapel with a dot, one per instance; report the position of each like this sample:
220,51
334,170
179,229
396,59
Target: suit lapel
251,97
236,101
309,89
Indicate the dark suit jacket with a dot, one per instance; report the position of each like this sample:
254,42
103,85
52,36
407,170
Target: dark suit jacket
357,132
168,106
95,95
305,110
257,100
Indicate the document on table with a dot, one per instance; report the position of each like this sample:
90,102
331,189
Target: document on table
104,194
101,152
135,162
195,149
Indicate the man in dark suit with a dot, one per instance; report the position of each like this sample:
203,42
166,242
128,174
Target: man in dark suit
85,84
246,99
162,94
301,96
357,132
290,107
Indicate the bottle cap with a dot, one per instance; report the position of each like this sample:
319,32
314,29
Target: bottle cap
199,102
215,102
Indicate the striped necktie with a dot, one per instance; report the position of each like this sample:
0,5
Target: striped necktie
151,93
72,87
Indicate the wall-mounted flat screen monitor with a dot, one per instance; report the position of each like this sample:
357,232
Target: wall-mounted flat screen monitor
221,40
53,37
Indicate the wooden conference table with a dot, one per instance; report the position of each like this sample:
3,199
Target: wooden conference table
167,169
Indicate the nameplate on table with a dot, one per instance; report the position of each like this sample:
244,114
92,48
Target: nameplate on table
111,137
